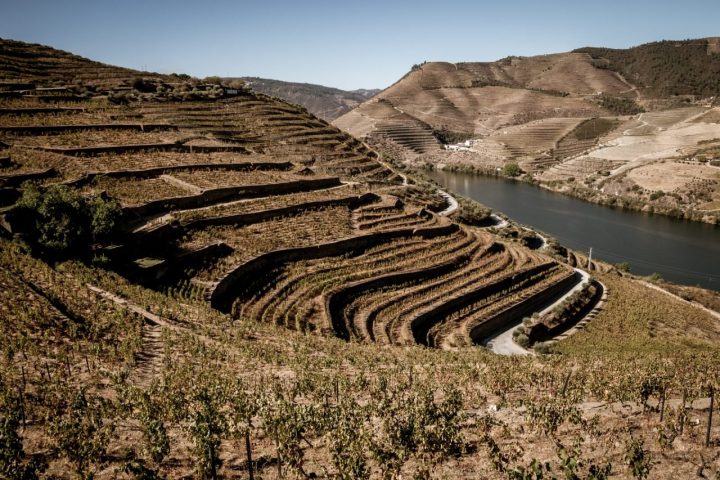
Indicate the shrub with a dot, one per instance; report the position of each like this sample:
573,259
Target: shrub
448,137
206,427
639,460
512,170
13,458
655,277
620,105
594,128
472,213
82,430
144,86
657,194
235,83
215,80
522,340
623,266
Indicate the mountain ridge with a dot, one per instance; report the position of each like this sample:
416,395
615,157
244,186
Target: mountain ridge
474,97
325,102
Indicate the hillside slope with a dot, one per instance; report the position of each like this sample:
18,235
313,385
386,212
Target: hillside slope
32,63
604,125
226,270
662,69
324,102
475,98
262,209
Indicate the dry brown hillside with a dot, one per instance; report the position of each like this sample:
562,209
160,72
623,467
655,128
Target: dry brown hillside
601,124
29,64
475,98
201,281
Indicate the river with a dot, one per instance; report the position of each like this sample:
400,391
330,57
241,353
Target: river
680,251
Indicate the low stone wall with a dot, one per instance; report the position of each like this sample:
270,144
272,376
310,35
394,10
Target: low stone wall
222,296
58,98
336,301
208,197
161,147
540,332
35,111
15,180
156,171
164,233
175,265
527,307
48,129
420,325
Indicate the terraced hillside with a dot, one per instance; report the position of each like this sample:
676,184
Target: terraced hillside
658,161
166,253
272,214
578,123
55,71
685,67
477,98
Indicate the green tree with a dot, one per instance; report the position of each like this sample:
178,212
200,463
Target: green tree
104,214
55,215
59,220
512,170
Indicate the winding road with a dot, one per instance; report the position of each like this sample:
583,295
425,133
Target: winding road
503,344
452,203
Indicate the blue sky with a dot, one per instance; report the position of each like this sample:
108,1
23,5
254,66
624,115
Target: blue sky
359,44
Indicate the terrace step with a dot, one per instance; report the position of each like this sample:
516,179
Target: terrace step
181,184
157,171
161,147
53,129
40,110
414,136
225,293
223,194
16,179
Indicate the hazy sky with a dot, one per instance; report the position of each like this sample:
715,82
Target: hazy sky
358,44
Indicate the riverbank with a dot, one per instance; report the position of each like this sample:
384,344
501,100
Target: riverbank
677,250
590,195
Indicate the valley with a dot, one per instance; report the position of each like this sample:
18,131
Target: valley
574,123
198,280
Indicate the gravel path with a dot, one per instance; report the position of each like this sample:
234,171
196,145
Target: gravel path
503,344
452,204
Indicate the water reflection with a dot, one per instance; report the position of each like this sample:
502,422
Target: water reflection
684,252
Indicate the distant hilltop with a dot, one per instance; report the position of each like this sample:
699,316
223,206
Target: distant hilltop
477,98
324,102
